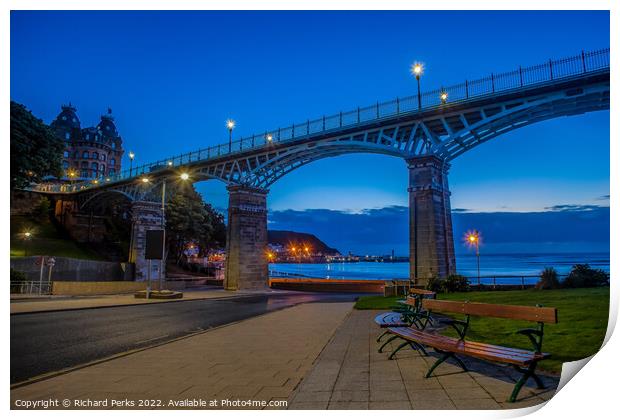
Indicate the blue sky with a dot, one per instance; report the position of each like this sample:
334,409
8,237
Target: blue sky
173,78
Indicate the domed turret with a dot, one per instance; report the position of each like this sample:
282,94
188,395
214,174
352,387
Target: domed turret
106,126
67,118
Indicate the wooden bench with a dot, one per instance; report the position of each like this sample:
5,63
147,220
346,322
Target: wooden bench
524,361
404,315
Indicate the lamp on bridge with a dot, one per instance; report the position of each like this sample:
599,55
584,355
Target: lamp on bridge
269,137
131,156
230,124
443,96
416,70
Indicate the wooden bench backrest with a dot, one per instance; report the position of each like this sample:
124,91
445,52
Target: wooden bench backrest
423,292
524,313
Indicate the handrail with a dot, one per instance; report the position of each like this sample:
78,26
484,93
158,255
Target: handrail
584,63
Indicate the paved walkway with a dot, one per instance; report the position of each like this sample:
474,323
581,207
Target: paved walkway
19,304
262,358
350,374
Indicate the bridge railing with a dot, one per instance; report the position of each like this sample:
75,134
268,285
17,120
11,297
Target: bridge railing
564,68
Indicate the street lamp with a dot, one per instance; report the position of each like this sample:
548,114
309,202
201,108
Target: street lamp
230,124
473,239
444,97
417,69
269,137
27,236
131,156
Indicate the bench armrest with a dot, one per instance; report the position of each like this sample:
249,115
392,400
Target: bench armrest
535,336
460,326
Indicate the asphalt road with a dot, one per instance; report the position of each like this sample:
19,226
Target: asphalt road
47,342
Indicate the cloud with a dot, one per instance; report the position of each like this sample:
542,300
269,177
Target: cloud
574,207
378,231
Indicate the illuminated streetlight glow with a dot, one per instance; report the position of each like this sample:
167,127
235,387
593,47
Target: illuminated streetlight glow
269,137
230,124
184,176
443,97
27,235
417,69
145,180
132,155
473,240
169,163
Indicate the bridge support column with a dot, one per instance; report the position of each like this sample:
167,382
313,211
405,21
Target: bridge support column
246,239
431,242
145,216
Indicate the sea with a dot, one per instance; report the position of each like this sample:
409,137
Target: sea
494,269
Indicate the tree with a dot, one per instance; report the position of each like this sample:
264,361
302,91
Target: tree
35,150
581,275
190,220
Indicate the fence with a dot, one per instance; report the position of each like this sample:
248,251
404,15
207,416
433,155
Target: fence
550,71
31,287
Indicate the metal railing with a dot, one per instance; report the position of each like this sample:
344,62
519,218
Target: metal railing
31,287
540,74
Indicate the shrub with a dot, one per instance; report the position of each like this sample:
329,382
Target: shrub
581,275
456,283
435,284
17,278
42,210
548,279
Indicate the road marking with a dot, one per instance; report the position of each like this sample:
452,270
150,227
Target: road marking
151,339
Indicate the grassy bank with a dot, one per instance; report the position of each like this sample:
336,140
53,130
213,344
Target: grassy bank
45,240
582,315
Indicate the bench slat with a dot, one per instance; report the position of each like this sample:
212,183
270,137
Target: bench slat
525,313
471,348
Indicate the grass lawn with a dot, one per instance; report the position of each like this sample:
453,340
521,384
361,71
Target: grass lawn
579,333
45,240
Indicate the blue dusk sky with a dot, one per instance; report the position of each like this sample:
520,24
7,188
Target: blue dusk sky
173,78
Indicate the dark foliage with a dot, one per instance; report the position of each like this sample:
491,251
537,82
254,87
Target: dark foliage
35,149
548,279
581,275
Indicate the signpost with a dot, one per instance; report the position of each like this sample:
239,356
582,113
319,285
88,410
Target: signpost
154,251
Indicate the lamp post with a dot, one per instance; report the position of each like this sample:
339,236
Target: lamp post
230,124
27,236
131,156
416,70
444,97
474,240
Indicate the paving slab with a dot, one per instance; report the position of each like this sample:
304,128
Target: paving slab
262,358
350,373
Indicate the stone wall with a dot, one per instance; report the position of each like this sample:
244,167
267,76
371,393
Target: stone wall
73,269
72,288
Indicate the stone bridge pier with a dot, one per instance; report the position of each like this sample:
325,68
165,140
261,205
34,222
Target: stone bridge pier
431,241
246,239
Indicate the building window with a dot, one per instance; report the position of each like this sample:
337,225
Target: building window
65,164
65,154
85,155
84,173
84,165
95,155
113,162
113,145
103,157
94,166
102,167
64,118
67,136
112,172
88,137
